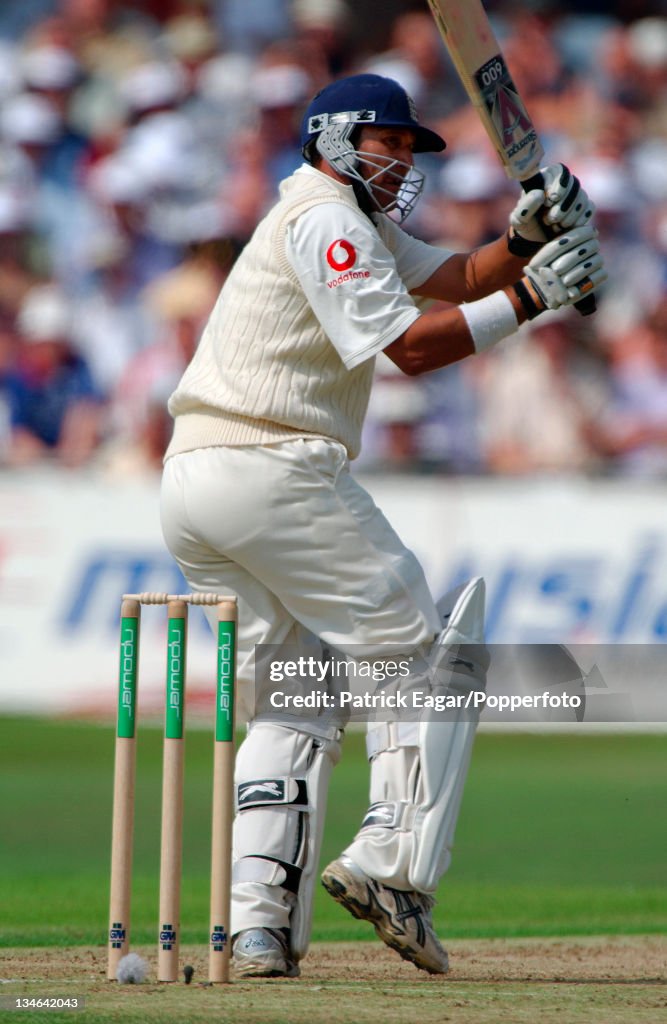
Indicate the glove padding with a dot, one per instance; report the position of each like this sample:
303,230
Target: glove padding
563,271
562,204
568,205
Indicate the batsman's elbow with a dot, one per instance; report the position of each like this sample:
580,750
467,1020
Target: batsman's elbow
411,364
409,358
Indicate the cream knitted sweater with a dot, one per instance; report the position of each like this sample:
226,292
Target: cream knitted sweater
264,370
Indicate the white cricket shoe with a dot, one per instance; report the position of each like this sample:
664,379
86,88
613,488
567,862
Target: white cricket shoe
401,919
263,953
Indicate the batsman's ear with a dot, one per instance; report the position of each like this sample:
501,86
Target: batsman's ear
309,151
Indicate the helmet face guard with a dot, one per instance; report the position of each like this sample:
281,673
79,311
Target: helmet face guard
335,145
335,113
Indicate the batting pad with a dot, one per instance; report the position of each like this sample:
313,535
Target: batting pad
278,828
418,769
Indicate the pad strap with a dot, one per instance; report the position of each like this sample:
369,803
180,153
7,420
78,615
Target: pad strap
391,814
389,735
268,871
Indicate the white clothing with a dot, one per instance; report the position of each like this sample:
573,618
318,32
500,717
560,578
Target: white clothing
357,275
265,369
258,501
287,529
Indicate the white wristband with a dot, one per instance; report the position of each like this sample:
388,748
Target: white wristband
489,320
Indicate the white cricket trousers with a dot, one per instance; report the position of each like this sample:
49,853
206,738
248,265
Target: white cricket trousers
310,557
287,529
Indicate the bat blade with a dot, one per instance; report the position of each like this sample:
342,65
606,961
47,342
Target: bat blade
476,54
478,59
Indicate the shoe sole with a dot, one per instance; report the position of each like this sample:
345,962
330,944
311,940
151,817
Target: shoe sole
367,912
262,973
265,971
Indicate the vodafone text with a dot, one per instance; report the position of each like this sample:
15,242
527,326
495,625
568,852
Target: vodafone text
350,275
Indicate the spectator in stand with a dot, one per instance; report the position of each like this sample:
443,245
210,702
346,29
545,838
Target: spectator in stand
637,267
416,58
111,323
280,91
268,147
180,302
47,175
541,401
636,424
396,406
123,196
16,243
221,100
29,125
10,75
53,73
250,26
56,412
190,38
469,205
322,31
105,194
9,343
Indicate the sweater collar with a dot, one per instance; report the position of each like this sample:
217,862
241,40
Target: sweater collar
306,173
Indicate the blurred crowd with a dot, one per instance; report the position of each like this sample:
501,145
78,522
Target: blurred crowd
140,142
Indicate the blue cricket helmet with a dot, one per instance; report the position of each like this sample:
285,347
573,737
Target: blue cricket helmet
367,99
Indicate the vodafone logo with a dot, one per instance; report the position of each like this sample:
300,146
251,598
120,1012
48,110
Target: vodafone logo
341,255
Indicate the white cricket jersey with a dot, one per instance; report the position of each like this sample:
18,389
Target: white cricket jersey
289,347
357,276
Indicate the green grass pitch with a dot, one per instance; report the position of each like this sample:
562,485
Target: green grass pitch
559,835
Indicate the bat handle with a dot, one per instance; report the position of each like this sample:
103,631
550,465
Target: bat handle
587,305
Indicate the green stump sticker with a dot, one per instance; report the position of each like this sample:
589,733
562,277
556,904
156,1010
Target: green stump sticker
176,653
224,713
127,682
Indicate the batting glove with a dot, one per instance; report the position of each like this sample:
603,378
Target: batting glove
539,214
564,271
568,205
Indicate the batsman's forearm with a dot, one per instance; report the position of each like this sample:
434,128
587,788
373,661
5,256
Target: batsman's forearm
431,342
465,277
491,268
441,338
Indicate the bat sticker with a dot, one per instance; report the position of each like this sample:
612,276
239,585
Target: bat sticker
505,108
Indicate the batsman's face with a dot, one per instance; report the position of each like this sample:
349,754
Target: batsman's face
390,148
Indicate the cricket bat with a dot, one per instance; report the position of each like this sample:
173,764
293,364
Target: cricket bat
466,32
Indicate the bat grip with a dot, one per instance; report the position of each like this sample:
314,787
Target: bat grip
587,305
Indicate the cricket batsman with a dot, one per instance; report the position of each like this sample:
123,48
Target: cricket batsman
258,501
